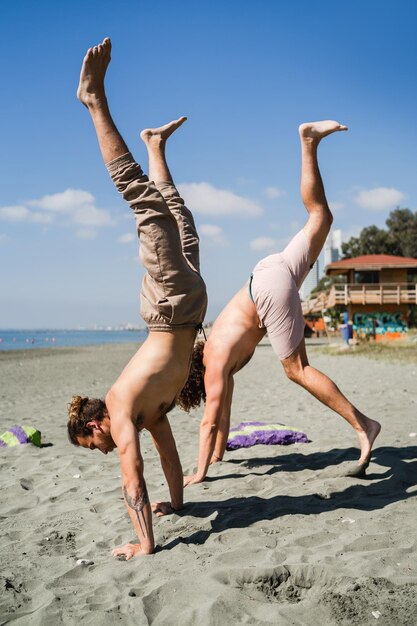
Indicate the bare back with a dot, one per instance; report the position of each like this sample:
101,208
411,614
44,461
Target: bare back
149,384
234,336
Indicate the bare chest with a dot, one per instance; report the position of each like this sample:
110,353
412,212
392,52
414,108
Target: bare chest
145,419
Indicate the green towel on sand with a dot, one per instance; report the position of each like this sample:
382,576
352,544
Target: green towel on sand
20,434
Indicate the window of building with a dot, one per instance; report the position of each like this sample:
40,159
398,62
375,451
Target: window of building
366,277
412,276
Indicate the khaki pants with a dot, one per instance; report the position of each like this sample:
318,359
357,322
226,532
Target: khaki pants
173,294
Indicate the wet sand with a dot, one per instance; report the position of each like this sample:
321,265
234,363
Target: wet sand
274,535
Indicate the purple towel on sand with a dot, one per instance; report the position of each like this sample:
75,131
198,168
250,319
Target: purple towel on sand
20,434
250,433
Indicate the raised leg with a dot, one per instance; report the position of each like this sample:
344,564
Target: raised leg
312,190
169,277
155,140
321,387
92,94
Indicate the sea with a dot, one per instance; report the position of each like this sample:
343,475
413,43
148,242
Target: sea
49,338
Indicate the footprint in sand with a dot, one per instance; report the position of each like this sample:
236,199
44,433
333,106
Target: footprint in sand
344,599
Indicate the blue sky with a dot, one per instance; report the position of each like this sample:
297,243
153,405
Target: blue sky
246,75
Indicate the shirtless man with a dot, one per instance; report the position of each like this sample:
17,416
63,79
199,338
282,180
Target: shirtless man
269,302
173,304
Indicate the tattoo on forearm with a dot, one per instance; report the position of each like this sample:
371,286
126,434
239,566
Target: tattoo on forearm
137,505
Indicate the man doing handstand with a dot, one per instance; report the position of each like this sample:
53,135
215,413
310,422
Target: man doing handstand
173,305
270,303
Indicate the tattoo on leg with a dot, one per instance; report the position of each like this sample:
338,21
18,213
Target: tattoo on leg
137,505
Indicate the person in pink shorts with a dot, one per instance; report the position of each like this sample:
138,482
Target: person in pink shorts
274,289
270,303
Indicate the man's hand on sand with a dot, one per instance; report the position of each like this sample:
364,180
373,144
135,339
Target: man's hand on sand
192,479
162,508
124,553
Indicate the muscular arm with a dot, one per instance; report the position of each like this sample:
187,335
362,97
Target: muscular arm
134,489
170,461
224,425
219,390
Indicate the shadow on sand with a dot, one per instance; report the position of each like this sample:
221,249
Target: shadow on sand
385,489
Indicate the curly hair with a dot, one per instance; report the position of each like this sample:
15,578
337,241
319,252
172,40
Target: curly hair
194,392
80,412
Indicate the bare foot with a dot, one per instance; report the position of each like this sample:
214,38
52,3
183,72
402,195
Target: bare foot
367,438
161,134
366,441
91,87
317,130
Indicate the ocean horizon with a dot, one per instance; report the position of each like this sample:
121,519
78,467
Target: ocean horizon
27,339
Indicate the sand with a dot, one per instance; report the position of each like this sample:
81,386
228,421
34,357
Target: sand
275,535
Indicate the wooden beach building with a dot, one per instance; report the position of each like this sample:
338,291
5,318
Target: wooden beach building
376,290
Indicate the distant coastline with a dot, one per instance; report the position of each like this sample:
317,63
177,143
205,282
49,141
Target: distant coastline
26,339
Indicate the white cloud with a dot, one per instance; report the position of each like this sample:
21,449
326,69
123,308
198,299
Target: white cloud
336,206
41,218
75,206
210,230
127,238
86,233
273,192
20,213
90,215
17,213
379,198
213,234
205,199
64,202
263,243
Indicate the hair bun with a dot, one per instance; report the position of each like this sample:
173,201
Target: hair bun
75,406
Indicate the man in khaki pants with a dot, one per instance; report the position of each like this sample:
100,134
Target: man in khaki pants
173,304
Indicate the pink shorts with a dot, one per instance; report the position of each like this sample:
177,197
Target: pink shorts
275,283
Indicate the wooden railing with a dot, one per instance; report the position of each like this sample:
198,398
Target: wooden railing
367,293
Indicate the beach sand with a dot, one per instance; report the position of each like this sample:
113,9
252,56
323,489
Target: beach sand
275,535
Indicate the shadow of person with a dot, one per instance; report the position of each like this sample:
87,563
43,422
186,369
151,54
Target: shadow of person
240,512
293,462
389,457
